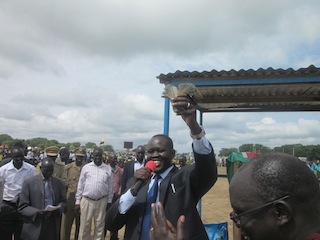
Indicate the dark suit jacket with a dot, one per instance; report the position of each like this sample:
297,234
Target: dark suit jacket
32,200
128,172
190,184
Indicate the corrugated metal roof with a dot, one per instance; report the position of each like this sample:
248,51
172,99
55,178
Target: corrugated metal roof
253,90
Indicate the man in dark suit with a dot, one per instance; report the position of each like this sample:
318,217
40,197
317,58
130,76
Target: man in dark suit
132,166
178,190
37,193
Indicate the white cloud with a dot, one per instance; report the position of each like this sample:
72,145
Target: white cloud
79,71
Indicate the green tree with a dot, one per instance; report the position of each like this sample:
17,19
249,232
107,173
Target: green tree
314,154
91,145
73,145
227,151
41,143
248,147
261,148
297,150
4,137
11,142
107,148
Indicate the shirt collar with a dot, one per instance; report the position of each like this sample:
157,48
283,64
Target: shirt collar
11,166
165,173
136,161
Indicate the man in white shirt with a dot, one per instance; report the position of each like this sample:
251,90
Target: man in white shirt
13,175
94,192
132,166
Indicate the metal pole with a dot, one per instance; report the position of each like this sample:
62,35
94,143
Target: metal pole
166,116
199,203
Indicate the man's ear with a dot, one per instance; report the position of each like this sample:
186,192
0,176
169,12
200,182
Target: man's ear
173,153
283,212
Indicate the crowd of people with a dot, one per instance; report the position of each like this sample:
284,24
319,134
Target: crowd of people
152,198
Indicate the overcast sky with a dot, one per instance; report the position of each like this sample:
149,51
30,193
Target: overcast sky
77,71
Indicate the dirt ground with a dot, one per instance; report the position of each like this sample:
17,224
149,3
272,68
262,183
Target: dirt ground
215,205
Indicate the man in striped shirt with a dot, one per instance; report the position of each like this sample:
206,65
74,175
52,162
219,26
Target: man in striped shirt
94,192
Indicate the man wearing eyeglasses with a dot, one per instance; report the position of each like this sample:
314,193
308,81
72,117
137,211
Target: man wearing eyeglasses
275,196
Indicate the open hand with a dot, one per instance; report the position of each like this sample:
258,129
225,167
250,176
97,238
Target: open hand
162,228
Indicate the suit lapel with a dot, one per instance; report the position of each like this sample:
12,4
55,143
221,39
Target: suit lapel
164,186
54,190
38,184
132,168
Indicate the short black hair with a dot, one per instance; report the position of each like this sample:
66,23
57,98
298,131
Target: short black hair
98,149
20,144
167,137
278,174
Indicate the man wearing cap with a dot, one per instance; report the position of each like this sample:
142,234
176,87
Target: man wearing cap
72,175
58,156
52,153
59,164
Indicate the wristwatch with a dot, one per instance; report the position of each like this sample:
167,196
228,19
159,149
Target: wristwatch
200,135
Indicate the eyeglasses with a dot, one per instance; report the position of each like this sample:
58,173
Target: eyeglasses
236,217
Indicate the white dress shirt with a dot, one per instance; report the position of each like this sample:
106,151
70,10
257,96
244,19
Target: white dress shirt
13,179
137,165
95,182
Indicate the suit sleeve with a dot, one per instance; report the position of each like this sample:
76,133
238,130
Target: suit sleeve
62,201
124,178
115,220
204,174
26,210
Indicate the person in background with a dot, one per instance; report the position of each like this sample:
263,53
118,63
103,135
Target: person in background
94,192
72,157
311,165
41,156
178,190
1,192
317,169
59,163
50,153
182,161
30,154
116,177
71,179
38,193
12,175
1,154
275,196
132,166
8,157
